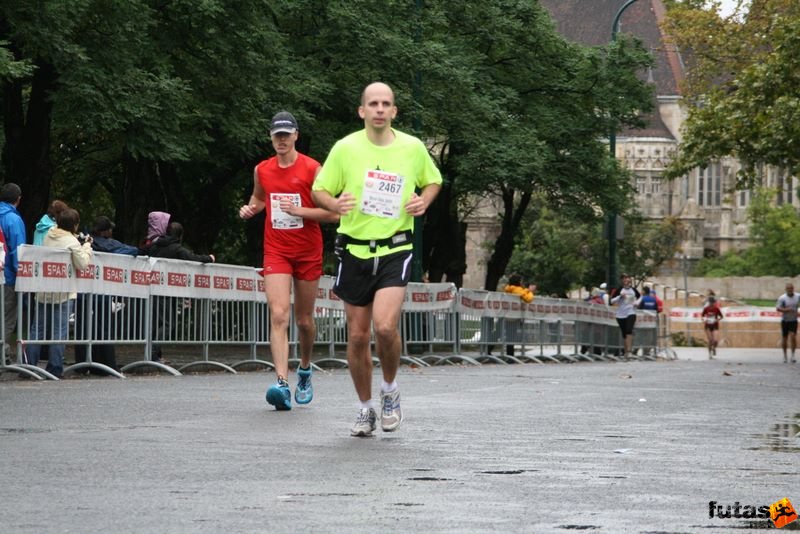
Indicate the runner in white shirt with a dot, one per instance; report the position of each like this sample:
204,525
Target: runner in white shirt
787,305
627,300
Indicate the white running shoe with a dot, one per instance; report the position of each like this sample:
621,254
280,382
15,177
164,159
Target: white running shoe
391,414
365,423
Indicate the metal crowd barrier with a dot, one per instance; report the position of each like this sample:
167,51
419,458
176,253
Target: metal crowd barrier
154,302
546,329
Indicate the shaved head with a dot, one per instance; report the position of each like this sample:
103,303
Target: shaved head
376,87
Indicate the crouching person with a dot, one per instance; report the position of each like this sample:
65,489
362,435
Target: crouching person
50,320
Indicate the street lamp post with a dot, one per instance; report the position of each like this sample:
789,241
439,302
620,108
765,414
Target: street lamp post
612,147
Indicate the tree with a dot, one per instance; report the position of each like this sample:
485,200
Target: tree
138,105
543,106
153,105
562,250
741,86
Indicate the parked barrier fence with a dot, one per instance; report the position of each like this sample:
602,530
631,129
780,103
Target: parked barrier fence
155,302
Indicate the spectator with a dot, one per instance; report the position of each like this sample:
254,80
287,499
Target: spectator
51,317
596,296
648,300
103,241
13,229
170,246
604,293
48,221
157,222
102,326
515,287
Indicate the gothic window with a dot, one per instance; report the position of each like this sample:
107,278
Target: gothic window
655,184
785,186
709,186
641,185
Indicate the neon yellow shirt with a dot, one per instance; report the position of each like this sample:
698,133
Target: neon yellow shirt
382,180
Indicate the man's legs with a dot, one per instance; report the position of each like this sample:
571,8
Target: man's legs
359,357
386,316
9,316
305,295
785,341
277,287
792,345
386,309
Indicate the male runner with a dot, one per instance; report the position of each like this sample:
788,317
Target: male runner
369,179
787,305
292,253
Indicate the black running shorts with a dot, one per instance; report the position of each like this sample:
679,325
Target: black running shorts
626,325
357,280
787,327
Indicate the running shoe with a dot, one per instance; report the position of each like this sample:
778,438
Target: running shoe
305,391
391,414
280,396
365,423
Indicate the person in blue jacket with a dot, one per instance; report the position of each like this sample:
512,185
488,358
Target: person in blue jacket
102,240
109,315
14,231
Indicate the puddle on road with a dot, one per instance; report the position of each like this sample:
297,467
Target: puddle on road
782,437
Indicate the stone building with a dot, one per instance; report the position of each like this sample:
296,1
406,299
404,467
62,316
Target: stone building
712,212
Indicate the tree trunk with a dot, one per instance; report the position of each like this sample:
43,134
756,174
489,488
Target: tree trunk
26,155
444,240
504,246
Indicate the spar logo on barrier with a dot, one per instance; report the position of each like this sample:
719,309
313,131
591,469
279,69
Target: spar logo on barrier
140,278
223,282
421,297
91,272
779,513
25,269
178,280
245,284
114,275
202,281
56,269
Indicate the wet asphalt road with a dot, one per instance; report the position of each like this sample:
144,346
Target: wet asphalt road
588,447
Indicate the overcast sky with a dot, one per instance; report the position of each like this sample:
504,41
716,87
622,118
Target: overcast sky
727,7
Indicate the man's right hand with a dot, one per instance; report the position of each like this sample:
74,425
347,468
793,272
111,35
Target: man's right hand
344,203
247,211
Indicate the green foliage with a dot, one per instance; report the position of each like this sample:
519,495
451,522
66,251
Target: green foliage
648,245
560,250
145,105
679,339
742,87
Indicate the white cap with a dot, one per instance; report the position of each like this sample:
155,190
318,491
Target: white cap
603,285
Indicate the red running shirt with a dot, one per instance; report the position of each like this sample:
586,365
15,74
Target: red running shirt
289,236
